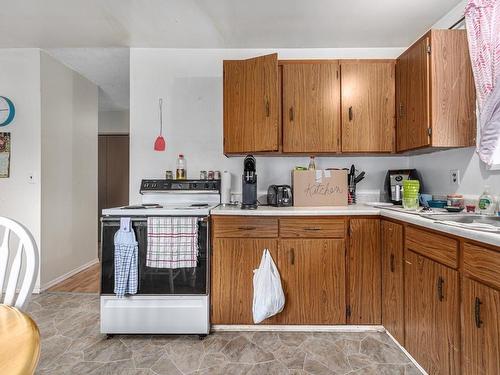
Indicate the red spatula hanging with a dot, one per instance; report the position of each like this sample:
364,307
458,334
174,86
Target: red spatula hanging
160,143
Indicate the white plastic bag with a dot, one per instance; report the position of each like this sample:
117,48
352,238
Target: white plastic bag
268,296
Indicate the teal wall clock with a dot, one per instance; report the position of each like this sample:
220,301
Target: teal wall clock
7,111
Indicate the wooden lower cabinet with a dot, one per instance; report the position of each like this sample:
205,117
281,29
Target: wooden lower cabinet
480,329
233,262
432,314
392,279
313,277
365,272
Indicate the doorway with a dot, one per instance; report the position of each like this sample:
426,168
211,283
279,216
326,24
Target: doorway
113,172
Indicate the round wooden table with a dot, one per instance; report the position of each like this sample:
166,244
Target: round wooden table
19,342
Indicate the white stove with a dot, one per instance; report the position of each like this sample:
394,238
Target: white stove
172,198
172,301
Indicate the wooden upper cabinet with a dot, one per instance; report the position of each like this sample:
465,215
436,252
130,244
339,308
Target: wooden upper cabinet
481,329
251,105
435,93
311,107
413,100
365,272
432,318
368,101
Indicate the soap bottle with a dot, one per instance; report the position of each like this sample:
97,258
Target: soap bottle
312,164
486,202
181,172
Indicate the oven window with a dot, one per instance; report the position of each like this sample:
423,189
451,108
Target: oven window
180,281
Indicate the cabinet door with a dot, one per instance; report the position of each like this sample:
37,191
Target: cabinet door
251,105
313,276
368,98
311,102
392,279
365,272
432,314
233,262
414,97
481,329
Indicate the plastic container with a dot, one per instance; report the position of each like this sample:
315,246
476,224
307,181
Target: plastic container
181,172
486,203
411,189
437,203
455,200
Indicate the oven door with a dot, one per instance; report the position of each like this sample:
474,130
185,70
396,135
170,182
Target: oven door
155,281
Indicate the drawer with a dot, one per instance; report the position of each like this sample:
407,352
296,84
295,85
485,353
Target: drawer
435,246
312,227
245,226
482,263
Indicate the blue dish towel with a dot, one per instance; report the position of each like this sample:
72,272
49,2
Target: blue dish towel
126,253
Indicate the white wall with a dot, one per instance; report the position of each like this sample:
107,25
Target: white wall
114,122
69,170
435,167
20,81
190,81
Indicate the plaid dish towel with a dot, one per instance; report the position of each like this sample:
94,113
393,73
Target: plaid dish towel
172,242
126,252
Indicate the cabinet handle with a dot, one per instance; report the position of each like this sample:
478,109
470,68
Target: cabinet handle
268,111
312,229
290,114
350,113
392,263
292,256
477,312
247,228
440,283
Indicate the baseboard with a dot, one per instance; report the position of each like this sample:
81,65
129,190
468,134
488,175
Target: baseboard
297,328
67,275
406,352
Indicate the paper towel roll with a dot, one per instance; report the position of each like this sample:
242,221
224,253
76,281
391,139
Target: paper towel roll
225,187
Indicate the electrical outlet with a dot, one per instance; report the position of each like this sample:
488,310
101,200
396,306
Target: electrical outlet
455,177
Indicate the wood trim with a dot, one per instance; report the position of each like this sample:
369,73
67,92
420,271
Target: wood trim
314,227
440,248
482,264
244,227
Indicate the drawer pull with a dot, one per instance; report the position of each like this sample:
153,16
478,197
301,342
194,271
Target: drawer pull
477,312
247,228
350,113
440,283
392,263
312,229
290,114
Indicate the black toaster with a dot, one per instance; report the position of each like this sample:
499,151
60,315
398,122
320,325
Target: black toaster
279,196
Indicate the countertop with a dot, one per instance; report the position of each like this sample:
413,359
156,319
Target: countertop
357,209
362,210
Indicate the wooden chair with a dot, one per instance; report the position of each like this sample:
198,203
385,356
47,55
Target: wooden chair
16,232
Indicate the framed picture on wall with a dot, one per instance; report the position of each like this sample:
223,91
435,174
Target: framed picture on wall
4,155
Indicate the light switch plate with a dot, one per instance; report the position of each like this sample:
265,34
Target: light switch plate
32,178
455,177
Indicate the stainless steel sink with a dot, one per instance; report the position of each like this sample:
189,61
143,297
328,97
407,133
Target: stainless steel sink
493,221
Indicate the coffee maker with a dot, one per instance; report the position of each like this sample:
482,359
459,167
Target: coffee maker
249,184
394,183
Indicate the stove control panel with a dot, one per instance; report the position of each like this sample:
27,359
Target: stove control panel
154,186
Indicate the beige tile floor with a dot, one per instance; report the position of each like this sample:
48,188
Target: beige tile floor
72,344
